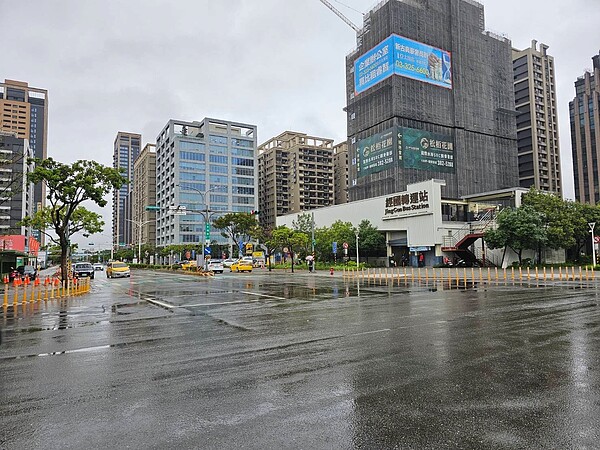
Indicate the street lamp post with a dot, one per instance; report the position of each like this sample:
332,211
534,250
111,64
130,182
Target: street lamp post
139,224
592,225
357,261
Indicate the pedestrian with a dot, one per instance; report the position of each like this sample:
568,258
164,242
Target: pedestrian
404,260
421,260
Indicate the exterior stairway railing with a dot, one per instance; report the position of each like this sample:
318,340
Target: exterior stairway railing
485,222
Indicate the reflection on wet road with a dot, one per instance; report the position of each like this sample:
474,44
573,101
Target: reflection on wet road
302,361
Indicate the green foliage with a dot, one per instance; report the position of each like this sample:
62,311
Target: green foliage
558,217
67,186
239,227
519,229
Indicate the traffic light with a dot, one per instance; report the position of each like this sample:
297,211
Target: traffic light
254,212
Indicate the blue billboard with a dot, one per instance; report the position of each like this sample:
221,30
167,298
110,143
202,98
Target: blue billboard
374,66
402,56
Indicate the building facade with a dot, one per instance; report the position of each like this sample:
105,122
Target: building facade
203,170
430,95
24,111
16,194
584,111
126,149
144,194
537,120
295,174
340,173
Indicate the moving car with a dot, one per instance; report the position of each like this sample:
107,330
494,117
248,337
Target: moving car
117,269
98,266
83,269
215,265
241,265
189,265
228,262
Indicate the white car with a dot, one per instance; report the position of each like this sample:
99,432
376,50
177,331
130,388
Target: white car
228,262
215,265
98,266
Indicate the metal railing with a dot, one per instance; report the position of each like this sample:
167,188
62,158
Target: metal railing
484,222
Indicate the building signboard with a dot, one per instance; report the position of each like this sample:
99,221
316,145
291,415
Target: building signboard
402,56
410,203
376,153
405,147
422,150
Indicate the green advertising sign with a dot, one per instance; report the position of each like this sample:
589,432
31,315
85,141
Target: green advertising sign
376,153
422,150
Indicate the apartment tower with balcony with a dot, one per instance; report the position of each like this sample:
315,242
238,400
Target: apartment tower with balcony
143,196
340,173
584,111
295,174
24,112
537,119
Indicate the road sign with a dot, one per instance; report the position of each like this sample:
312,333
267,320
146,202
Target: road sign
597,239
207,250
152,208
207,231
177,210
345,245
334,247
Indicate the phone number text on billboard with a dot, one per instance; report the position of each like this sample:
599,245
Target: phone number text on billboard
402,56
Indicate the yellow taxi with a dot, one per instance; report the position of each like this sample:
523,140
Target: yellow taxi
241,266
117,269
189,265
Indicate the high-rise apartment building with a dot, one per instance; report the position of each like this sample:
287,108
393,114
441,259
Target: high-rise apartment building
16,194
537,120
430,96
143,195
24,111
126,150
207,165
340,173
584,111
295,174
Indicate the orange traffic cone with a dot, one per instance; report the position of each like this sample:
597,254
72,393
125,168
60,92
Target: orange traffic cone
5,279
27,281
47,281
36,282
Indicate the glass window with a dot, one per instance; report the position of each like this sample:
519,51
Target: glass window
242,162
185,165
241,152
219,179
241,180
186,145
217,139
187,186
213,168
243,200
242,143
242,171
192,176
216,198
218,159
192,156
218,150
242,190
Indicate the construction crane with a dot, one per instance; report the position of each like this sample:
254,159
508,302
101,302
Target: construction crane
341,16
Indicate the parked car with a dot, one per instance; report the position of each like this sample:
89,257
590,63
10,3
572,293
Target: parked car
83,269
117,269
228,262
241,265
98,266
215,265
22,271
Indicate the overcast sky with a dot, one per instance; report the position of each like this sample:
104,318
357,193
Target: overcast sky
279,64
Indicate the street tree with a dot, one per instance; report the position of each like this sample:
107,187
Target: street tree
372,241
67,187
239,227
282,237
518,229
558,217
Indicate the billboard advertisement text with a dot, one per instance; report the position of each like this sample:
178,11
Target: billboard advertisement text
402,56
376,153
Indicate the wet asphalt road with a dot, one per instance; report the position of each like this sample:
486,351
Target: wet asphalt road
272,361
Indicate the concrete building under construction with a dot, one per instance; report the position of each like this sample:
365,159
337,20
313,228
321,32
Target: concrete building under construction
430,96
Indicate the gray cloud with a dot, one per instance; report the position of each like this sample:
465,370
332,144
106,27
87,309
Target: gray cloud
279,64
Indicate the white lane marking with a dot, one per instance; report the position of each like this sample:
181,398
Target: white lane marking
263,295
216,304
159,303
385,330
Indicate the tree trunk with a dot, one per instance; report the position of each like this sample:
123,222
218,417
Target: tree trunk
64,259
